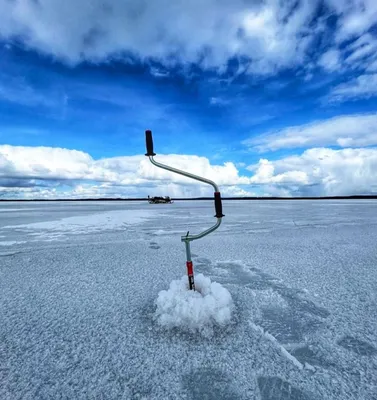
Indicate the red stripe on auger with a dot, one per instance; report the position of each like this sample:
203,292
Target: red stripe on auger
190,270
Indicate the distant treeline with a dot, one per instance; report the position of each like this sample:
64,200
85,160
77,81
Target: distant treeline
356,197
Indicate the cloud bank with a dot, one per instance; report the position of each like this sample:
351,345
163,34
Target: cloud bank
356,130
320,172
46,172
264,36
24,169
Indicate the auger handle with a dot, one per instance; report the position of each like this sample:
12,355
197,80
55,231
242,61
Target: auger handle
149,143
217,195
218,205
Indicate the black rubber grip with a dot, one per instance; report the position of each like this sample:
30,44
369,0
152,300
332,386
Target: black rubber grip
218,205
149,143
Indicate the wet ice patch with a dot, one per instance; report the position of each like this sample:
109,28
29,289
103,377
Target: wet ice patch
11,242
164,232
200,311
91,223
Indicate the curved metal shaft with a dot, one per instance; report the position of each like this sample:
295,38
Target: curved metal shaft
200,235
178,171
189,238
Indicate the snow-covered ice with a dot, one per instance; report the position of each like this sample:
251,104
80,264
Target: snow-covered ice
109,220
84,288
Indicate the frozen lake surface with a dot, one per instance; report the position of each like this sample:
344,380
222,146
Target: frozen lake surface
79,283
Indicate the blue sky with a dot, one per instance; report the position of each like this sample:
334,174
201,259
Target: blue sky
269,98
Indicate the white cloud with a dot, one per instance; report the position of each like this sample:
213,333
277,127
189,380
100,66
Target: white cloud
28,193
364,47
320,172
273,34
218,101
43,162
362,87
265,173
372,66
355,46
356,17
20,92
45,172
159,73
330,60
30,166
344,131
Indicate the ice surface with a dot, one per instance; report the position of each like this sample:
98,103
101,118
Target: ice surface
195,311
358,346
79,284
276,389
11,242
106,220
56,229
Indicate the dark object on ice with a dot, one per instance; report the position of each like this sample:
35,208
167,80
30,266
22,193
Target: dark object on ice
160,200
217,199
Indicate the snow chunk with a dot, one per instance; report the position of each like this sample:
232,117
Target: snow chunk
194,311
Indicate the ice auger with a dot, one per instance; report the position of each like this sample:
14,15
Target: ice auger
218,206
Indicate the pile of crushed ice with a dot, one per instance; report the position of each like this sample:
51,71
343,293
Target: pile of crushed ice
200,311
